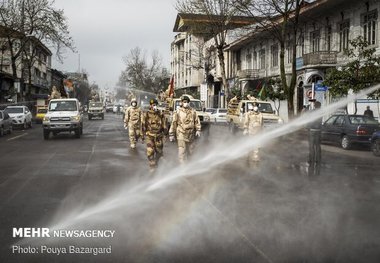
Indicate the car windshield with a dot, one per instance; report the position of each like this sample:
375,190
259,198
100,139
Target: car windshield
62,106
195,104
362,120
41,110
14,110
263,107
96,104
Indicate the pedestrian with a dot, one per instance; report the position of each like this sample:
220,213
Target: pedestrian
132,122
154,129
185,127
315,142
253,123
368,112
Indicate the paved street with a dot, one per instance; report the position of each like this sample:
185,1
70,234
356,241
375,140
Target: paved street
212,210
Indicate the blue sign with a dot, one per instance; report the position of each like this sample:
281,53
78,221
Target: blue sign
299,63
319,87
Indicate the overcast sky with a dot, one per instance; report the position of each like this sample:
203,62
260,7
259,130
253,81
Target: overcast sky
105,31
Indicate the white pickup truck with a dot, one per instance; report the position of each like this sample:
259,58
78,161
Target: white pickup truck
238,108
63,115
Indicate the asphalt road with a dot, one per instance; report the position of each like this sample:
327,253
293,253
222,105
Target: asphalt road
218,208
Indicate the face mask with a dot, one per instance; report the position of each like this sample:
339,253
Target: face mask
155,108
134,104
185,104
255,108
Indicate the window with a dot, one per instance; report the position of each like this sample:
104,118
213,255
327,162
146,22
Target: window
238,60
328,38
255,60
262,59
290,52
274,55
315,39
301,44
249,60
369,27
344,30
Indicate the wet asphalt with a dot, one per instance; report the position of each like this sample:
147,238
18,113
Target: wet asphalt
235,211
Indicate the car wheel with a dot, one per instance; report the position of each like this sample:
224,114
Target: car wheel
25,125
376,147
46,134
10,129
345,142
1,131
30,124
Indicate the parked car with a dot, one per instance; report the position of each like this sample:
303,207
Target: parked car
348,130
5,123
218,116
21,116
375,143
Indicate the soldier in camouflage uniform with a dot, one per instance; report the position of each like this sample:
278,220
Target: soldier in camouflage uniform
154,129
253,124
132,121
185,126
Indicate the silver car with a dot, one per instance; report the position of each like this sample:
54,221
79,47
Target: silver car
21,116
5,123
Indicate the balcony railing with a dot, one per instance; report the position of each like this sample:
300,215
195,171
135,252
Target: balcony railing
320,57
248,73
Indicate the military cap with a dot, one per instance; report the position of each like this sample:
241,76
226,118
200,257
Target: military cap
185,98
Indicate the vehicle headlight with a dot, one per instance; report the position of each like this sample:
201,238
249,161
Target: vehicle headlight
20,117
207,118
75,118
280,121
46,118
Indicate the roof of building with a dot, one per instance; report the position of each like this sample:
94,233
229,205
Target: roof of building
197,23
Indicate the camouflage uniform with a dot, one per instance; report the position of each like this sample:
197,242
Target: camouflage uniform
185,125
253,124
154,129
132,120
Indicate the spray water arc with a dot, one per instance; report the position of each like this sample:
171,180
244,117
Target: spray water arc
131,196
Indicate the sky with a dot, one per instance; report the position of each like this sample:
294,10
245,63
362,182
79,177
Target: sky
106,31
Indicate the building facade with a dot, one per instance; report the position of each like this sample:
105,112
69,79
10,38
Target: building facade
326,27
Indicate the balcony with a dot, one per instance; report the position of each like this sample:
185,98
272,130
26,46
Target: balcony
248,74
320,58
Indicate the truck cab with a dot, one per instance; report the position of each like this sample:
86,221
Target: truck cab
63,115
95,109
238,108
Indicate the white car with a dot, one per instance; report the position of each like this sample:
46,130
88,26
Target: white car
21,116
218,115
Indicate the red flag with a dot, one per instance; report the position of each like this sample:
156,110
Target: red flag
171,87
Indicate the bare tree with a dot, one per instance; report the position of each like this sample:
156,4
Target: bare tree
218,15
141,75
26,21
280,19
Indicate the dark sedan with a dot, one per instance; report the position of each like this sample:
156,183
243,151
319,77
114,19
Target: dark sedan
348,130
375,143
